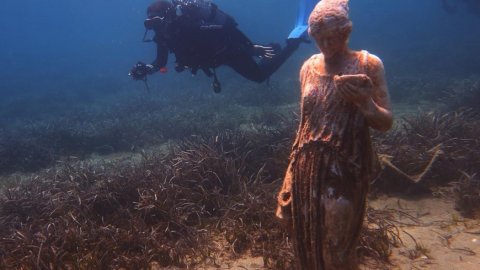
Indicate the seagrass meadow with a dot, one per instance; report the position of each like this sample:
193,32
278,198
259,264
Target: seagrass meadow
131,194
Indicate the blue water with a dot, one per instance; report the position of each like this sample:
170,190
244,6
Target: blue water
55,46
67,56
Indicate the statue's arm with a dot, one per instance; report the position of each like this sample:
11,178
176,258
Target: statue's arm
377,109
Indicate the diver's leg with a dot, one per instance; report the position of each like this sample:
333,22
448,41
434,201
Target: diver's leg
269,66
245,65
241,59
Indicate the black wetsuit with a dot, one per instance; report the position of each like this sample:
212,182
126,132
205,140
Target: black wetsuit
451,6
202,37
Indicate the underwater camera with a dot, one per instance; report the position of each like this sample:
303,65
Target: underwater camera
139,71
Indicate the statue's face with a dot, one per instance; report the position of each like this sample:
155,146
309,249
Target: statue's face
331,43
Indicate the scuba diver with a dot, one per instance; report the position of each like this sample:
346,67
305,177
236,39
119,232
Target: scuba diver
473,6
203,37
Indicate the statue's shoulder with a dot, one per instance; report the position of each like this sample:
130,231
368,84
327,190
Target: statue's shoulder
315,58
313,61
373,61
310,67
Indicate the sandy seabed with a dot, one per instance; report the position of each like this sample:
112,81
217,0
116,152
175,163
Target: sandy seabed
444,240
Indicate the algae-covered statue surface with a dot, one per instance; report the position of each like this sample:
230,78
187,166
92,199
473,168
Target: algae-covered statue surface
343,94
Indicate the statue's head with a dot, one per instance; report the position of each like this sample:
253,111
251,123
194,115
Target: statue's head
330,25
329,16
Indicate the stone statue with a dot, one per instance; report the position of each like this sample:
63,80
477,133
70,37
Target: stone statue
343,94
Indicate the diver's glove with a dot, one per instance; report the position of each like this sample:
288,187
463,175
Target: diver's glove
141,70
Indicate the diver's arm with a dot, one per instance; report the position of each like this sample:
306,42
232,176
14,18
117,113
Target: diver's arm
162,57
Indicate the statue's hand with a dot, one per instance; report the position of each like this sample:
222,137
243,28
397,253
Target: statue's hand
357,88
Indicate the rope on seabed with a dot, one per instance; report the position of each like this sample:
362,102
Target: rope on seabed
437,151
